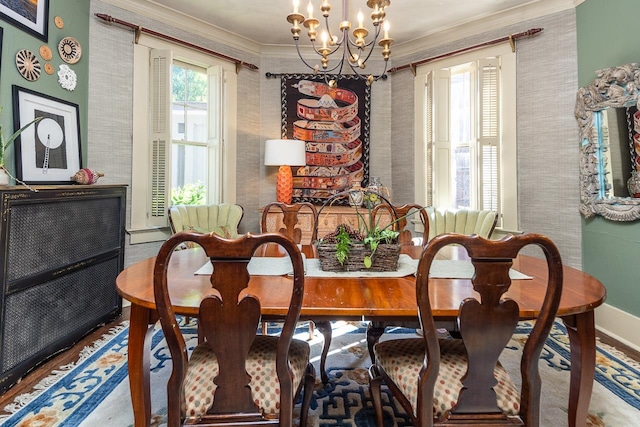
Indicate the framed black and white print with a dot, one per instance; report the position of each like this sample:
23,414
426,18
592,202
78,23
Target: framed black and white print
31,16
1,47
49,151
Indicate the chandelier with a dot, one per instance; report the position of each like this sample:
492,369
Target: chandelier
351,49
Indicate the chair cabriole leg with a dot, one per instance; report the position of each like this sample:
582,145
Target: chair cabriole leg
375,387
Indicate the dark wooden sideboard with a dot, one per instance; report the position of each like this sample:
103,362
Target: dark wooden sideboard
61,249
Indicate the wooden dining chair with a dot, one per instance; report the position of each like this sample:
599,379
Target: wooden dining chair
291,227
233,375
284,218
401,214
444,381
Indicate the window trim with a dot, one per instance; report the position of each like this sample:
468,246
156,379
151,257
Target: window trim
508,147
139,229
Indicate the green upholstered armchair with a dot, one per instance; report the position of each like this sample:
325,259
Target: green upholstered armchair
222,219
462,221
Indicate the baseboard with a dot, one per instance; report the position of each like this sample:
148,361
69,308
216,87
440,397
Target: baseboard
619,325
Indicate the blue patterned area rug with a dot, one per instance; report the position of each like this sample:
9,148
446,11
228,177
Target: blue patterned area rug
95,391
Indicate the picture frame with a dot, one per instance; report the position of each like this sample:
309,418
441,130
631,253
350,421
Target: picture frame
48,152
31,17
1,35
336,132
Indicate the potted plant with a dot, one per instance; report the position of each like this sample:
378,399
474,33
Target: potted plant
370,247
4,144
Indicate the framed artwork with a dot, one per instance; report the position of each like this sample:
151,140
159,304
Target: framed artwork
1,30
633,124
335,124
49,151
30,16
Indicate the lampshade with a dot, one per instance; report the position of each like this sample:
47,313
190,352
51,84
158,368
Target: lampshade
289,152
284,153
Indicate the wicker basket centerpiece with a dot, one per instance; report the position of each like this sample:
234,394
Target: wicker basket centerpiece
347,249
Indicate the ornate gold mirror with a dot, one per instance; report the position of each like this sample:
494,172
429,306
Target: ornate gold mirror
609,122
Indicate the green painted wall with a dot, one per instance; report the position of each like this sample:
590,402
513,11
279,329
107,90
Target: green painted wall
75,15
610,252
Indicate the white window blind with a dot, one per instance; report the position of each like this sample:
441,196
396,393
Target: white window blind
428,134
161,61
489,133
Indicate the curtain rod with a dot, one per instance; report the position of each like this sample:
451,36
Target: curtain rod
139,29
510,38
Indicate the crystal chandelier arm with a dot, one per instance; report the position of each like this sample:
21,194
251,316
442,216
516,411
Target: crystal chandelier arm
362,50
370,43
315,67
302,57
337,43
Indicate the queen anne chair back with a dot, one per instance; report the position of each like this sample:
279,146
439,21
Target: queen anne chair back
233,375
291,223
461,381
290,220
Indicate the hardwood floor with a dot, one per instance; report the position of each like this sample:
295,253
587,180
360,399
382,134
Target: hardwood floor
65,357
71,355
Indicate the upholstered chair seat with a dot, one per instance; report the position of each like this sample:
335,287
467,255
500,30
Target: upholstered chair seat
402,360
199,387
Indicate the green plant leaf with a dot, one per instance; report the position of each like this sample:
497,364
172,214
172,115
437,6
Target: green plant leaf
4,144
343,246
367,261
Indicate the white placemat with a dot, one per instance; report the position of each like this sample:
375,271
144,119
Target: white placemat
406,267
263,266
442,269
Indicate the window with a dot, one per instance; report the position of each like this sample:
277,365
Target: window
184,138
190,145
465,122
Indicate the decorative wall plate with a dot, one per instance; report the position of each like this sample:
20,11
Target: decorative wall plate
45,52
58,21
67,77
48,68
69,50
28,65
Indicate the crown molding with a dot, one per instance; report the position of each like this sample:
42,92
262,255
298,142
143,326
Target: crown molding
152,10
440,36
435,37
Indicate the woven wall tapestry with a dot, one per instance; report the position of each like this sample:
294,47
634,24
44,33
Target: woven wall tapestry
335,125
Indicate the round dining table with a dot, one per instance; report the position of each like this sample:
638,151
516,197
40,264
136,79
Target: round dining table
377,299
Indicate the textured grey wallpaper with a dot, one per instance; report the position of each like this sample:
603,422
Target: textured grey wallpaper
547,131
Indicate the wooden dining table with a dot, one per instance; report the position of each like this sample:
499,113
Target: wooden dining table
376,299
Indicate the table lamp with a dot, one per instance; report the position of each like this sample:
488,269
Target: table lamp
284,153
